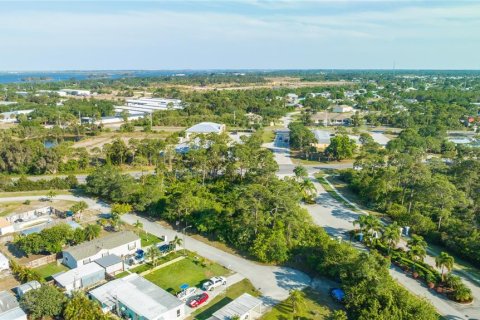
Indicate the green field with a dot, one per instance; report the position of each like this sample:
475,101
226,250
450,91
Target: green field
233,292
148,239
315,306
189,270
46,271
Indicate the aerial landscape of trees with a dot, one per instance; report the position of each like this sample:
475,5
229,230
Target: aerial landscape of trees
229,192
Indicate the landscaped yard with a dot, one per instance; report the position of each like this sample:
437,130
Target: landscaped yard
190,270
233,292
149,239
315,306
46,271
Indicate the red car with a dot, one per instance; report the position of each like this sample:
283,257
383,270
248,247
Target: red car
198,300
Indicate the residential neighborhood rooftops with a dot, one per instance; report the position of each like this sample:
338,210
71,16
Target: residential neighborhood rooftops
24,288
90,248
241,306
109,260
9,307
67,277
206,127
138,294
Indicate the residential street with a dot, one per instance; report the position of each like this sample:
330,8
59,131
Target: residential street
273,282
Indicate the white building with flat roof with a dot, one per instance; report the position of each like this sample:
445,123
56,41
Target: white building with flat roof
79,278
11,116
245,307
150,105
134,297
205,128
75,92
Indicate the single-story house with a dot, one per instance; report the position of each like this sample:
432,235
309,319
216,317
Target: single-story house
118,243
9,307
111,263
245,307
292,98
24,288
205,128
323,138
6,226
80,278
342,109
134,297
331,119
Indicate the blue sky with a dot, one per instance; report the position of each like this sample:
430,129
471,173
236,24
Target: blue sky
243,34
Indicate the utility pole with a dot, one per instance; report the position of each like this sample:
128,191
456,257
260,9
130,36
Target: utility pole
184,244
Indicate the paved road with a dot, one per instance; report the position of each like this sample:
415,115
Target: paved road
273,282
337,220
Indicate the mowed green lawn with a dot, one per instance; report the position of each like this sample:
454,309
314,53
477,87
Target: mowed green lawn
188,270
316,306
46,271
233,292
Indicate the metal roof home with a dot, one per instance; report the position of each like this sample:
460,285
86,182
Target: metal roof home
24,288
137,297
111,241
206,127
245,307
9,307
108,261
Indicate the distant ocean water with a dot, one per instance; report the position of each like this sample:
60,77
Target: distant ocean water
25,77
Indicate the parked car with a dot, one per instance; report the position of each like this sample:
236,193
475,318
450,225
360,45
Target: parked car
198,300
165,248
337,294
213,283
187,293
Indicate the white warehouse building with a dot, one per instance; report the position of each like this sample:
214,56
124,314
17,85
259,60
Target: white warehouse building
150,105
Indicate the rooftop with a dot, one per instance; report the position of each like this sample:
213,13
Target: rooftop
138,294
67,277
90,248
206,127
108,261
238,307
7,302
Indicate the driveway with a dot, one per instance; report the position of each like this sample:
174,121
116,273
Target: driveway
273,282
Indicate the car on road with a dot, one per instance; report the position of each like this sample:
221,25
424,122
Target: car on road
337,294
187,293
198,300
213,283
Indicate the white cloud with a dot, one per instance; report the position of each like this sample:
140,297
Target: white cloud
209,39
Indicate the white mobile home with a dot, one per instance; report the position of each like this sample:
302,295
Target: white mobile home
134,297
118,243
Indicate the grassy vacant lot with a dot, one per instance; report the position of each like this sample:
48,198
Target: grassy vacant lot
22,206
190,270
268,135
46,271
148,239
316,306
233,292
30,193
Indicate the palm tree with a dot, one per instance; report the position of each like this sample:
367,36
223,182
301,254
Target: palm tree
296,300
138,226
417,253
152,254
417,241
369,225
51,194
444,260
308,190
177,241
391,236
92,231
